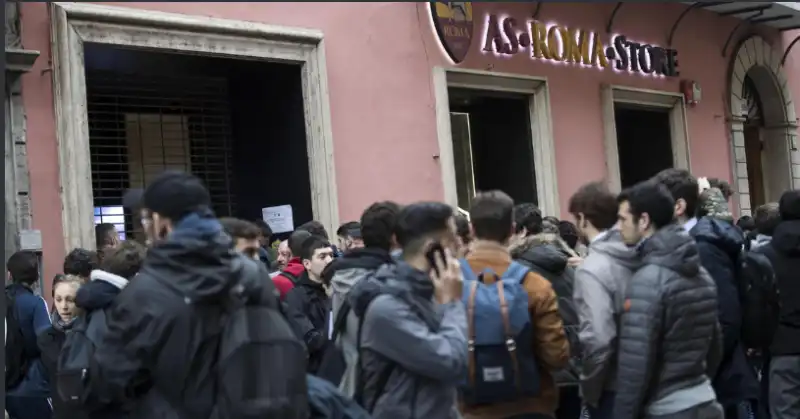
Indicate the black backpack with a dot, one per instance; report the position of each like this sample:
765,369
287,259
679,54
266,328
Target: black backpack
261,364
76,359
758,295
17,362
563,286
333,364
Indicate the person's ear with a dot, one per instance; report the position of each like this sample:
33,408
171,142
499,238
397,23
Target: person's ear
306,264
644,222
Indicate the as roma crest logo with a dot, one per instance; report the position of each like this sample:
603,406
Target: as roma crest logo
453,21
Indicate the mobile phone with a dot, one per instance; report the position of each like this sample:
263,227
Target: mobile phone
430,255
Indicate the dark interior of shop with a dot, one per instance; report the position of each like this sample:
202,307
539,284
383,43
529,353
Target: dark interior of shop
500,136
644,142
236,124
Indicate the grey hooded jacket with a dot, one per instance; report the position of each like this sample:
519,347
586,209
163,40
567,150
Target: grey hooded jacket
599,295
345,272
423,345
670,340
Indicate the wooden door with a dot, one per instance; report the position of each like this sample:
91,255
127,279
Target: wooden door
755,170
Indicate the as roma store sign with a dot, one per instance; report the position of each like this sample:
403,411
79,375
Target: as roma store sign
554,43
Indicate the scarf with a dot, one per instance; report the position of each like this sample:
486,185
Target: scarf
58,323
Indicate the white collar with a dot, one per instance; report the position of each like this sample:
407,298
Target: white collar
690,223
599,236
115,280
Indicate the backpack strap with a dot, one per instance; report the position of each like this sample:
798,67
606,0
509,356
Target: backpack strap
340,322
466,270
290,276
471,336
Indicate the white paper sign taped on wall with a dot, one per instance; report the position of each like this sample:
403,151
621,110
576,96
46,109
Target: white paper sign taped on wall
279,218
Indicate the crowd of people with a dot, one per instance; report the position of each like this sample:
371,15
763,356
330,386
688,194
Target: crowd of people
653,303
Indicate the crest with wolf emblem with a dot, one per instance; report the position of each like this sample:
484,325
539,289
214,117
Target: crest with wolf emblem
454,25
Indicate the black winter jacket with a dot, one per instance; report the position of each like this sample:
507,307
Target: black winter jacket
670,313
164,326
542,253
719,244
784,253
309,307
50,342
96,298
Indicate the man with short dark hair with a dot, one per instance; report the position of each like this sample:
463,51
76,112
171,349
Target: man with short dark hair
767,217
527,220
308,300
160,326
80,262
315,228
784,254
377,230
719,244
245,236
106,237
600,284
26,381
669,342
349,235
419,346
492,218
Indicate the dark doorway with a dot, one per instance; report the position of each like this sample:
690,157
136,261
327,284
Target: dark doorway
644,142
238,125
492,144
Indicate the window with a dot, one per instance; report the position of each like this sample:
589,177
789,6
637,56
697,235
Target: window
111,215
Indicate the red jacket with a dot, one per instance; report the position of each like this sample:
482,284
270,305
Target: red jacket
282,282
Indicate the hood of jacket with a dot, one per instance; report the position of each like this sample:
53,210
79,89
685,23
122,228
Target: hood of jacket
720,233
100,291
760,240
196,259
786,238
673,248
546,251
295,267
345,271
400,279
611,245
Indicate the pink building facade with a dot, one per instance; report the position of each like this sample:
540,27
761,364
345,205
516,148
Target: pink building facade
376,84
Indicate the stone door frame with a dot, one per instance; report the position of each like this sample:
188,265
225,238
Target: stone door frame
763,62
73,24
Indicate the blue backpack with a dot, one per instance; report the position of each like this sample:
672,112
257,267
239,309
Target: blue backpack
502,366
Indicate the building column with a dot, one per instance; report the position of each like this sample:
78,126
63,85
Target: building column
18,218
740,165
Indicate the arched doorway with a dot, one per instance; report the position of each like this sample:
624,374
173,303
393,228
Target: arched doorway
763,126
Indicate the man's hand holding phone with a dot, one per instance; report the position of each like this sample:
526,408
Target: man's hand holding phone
447,280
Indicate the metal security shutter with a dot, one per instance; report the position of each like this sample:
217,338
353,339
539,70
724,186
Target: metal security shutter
141,125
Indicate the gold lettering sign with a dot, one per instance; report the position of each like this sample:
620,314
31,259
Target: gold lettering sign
564,44
559,43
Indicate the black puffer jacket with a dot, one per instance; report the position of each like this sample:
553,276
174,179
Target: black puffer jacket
164,326
719,244
545,255
785,258
50,342
308,306
670,312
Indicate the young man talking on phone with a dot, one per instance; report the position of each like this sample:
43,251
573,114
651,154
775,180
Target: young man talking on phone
413,344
